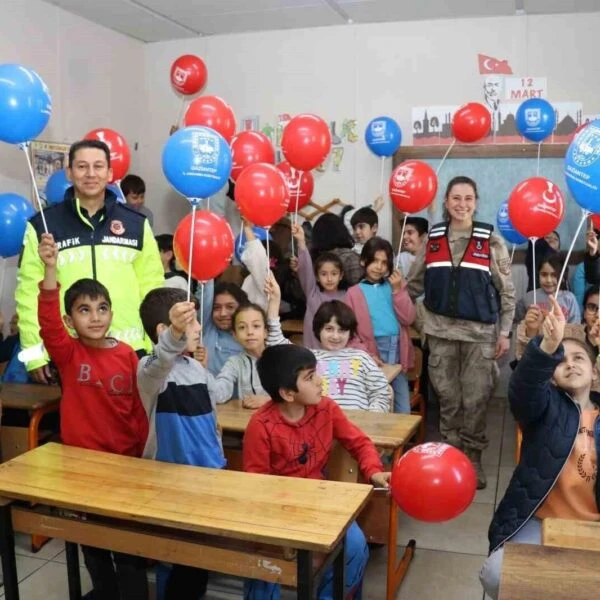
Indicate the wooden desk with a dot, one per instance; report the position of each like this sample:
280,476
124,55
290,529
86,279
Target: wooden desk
290,326
391,371
541,573
177,513
388,431
566,533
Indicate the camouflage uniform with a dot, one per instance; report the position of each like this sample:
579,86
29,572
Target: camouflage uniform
462,369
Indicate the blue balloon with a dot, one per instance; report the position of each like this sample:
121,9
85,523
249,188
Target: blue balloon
25,104
197,162
56,186
116,190
15,211
383,136
505,227
582,167
241,241
535,119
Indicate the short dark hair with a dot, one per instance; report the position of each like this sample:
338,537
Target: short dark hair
556,261
372,246
155,308
248,306
329,232
91,288
338,310
279,367
458,180
330,257
164,242
364,215
226,287
589,292
80,145
419,223
132,184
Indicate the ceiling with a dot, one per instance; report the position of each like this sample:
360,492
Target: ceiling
162,20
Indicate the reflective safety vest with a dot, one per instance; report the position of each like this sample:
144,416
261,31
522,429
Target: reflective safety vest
465,291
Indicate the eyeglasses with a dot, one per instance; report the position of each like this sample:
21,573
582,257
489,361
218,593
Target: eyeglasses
592,307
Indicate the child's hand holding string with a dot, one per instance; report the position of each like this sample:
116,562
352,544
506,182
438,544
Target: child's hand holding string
299,236
273,293
553,328
395,280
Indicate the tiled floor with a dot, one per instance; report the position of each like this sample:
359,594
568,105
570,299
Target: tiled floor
446,562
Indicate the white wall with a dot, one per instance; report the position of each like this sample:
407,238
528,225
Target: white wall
363,71
95,77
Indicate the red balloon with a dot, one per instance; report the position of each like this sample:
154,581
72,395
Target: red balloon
120,155
433,482
471,122
301,185
262,194
249,147
596,222
536,207
213,112
188,74
213,245
413,186
306,142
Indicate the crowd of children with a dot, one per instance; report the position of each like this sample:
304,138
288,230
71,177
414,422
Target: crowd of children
160,403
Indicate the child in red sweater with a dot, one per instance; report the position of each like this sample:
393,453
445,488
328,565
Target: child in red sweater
100,406
293,434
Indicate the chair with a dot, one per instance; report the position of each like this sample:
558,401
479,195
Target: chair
417,400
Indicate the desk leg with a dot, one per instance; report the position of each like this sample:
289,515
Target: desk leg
73,575
396,570
339,571
306,580
9,561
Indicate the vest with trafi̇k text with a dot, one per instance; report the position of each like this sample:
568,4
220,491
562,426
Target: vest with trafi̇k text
465,291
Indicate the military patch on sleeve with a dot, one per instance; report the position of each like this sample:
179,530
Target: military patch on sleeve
504,266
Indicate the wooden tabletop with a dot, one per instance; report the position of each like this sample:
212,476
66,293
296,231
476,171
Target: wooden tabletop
391,371
292,326
28,396
568,533
283,511
541,573
386,430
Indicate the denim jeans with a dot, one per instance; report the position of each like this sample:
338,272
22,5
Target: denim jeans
530,533
388,348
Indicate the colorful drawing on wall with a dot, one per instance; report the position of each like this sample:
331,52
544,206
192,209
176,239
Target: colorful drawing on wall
250,123
488,65
268,130
336,140
350,130
46,159
523,88
431,125
337,155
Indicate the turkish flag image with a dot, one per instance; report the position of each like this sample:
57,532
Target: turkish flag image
489,65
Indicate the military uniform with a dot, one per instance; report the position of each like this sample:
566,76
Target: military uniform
475,285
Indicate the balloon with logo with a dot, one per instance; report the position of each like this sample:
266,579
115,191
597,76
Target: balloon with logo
196,161
249,147
471,122
241,241
535,119
56,186
261,194
578,129
212,244
25,104
433,482
15,211
213,112
582,167
301,185
383,136
120,155
188,74
413,186
306,142
505,227
536,207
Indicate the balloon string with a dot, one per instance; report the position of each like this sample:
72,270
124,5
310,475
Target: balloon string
297,197
534,271
189,281
201,313
2,274
36,192
538,159
512,253
208,203
400,244
381,175
584,215
180,113
268,251
240,237
439,167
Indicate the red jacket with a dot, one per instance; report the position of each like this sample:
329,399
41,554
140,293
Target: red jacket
365,338
275,446
100,407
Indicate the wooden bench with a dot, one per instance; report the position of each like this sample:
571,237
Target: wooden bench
567,533
248,525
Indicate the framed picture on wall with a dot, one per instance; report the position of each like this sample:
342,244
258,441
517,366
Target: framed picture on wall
46,159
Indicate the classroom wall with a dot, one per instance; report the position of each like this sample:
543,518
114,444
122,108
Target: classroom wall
362,71
95,76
